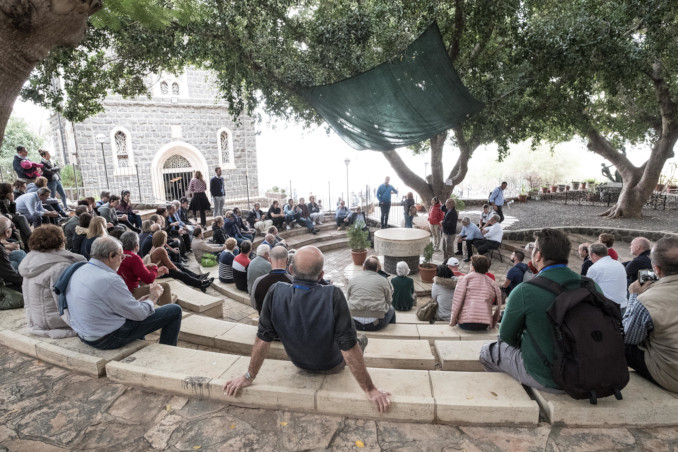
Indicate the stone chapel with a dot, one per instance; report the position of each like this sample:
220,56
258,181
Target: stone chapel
153,145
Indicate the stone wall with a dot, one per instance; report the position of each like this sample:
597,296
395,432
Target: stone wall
619,234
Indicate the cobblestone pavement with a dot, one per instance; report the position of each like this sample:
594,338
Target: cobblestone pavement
45,408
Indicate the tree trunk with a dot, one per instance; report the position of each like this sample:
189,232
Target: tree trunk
436,185
28,31
640,181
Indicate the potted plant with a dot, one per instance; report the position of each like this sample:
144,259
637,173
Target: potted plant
420,207
522,197
427,270
358,241
575,185
544,189
554,188
583,185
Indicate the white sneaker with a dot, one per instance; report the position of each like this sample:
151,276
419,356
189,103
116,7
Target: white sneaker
288,227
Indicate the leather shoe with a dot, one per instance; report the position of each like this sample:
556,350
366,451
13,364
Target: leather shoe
204,276
467,260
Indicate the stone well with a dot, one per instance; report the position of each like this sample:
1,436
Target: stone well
400,244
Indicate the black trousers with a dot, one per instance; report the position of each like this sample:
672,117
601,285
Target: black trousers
385,210
635,358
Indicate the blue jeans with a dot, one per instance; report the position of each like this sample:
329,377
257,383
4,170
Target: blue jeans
408,221
167,318
289,218
15,258
389,317
306,222
55,186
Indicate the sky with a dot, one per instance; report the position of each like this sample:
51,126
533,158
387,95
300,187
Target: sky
313,161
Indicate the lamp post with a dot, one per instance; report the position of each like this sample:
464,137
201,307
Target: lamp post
101,138
348,195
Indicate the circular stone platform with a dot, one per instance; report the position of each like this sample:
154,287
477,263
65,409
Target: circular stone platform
400,244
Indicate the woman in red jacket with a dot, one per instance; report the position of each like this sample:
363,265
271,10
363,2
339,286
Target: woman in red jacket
435,217
133,271
474,297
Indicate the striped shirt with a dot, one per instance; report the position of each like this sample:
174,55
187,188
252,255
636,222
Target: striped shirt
226,266
637,321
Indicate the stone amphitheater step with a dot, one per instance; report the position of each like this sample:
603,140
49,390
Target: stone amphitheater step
417,395
645,404
430,333
69,353
196,301
238,339
459,356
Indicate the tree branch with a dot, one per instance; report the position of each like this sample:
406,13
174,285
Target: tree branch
460,169
405,173
459,24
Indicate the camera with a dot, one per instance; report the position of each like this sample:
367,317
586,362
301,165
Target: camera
646,275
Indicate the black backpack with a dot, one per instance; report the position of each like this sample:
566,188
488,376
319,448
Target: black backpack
589,360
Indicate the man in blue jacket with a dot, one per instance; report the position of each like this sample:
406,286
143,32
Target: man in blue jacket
384,197
497,200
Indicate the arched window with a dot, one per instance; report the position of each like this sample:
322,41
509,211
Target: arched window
123,156
170,85
176,161
225,147
175,89
164,88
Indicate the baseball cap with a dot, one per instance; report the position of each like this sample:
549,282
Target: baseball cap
453,261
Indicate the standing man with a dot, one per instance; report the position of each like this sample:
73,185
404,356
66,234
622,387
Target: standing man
609,274
449,225
218,192
497,200
24,168
384,197
314,325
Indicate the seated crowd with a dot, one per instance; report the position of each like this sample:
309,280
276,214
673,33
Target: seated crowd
118,299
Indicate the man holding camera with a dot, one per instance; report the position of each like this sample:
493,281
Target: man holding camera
651,319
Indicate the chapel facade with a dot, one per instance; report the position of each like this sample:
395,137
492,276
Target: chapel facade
153,145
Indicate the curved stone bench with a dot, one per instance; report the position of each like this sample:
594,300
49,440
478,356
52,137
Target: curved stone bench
425,331
417,395
645,404
238,339
194,300
69,353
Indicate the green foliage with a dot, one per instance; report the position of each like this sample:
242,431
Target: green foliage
18,133
428,253
67,177
459,204
358,239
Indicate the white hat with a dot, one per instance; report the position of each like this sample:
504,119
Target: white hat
453,261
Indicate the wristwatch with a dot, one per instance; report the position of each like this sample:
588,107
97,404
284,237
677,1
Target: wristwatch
248,376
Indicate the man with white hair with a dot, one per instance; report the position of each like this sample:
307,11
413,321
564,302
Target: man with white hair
102,310
278,273
493,233
259,266
470,233
608,273
640,248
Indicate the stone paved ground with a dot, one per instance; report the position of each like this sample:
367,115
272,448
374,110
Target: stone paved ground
45,408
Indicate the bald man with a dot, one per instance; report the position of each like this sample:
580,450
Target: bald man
640,248
314,325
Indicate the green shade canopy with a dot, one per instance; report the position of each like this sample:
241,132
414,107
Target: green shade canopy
400,102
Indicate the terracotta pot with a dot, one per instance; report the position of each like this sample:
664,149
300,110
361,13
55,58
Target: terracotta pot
582,185
659,187
359,257
522,198
420,207
544,189
554,188
427,272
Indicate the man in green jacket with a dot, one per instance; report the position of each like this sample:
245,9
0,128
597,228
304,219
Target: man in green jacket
525,318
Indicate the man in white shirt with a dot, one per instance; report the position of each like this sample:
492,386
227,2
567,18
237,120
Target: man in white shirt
30,206
609,274
493,233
